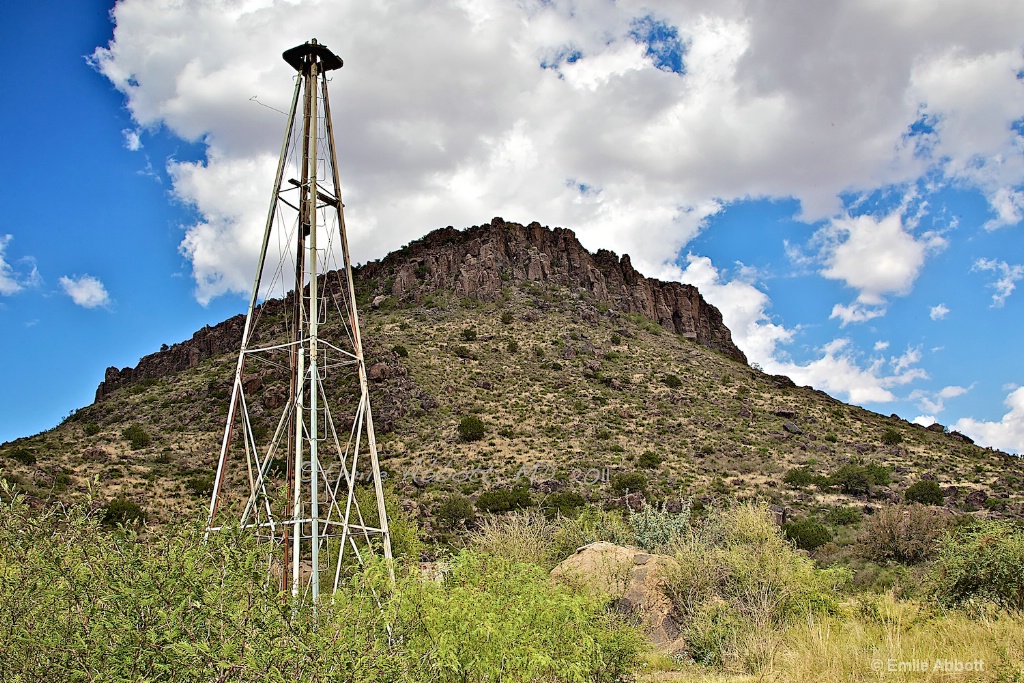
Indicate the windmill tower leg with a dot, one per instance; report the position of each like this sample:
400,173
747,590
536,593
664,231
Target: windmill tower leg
325,443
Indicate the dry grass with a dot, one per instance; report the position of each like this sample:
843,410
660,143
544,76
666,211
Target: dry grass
882,639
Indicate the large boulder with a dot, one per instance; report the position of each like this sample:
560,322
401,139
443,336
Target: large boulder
634,580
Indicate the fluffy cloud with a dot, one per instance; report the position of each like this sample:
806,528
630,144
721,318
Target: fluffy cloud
935,402
1006,434
1007,277
938,312
877,257
13,280
629,124
86,291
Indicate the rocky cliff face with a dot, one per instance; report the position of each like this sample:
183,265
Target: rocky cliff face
477,263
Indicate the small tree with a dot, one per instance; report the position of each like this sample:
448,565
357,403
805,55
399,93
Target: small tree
807,533
137,436
892,437
471,428
468,334
926,492
455,510
121,511
633,482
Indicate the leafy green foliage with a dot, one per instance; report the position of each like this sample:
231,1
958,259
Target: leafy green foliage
926,492
512,346
121,511
79,602
656,529
400,351
454,511
799,477
22,455
672,381
137,436
634,482
200,485
90,429
564,503
471,428
649,460
507,318
982,561
892,437
468,334
858,480
504,500
844,516
728,562
807,533
461,351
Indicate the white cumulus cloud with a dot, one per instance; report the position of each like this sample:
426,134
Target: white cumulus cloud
85,290
446,114
938,312
1006,281
1006,434
18,276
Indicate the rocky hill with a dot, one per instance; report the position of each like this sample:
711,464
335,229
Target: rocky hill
593,383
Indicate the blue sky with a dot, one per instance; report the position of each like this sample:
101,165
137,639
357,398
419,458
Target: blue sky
845,182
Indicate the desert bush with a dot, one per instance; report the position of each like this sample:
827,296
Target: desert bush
137,436
512,346
564,503
400,351
739,581
454,511
121,511
471,428
91,429
858,480
903,533
892,437
844,516
461,351
507,318
80,602
649,460
616,339
807,533
22,455
504,500
926,492
633,482
983,562
657,529
468,334
590,526
526,537
672,381
799,477
200,485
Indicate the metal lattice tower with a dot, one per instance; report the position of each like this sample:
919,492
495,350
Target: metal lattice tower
299,417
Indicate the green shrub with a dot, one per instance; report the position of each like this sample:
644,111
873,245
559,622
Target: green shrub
503,500
121,511
507,318
799,477
858,480
526,537
656,529
903,533
807,533
844,516
471,428
137,436
672,381
892,437
512,346
200,485
740,582
564,503
926,492
400,351
616,340
539,352
468,334
649,460
461,351
91,429
454,511
22,455
633,482
982,561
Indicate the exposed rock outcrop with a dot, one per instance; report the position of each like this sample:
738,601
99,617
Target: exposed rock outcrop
479,261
